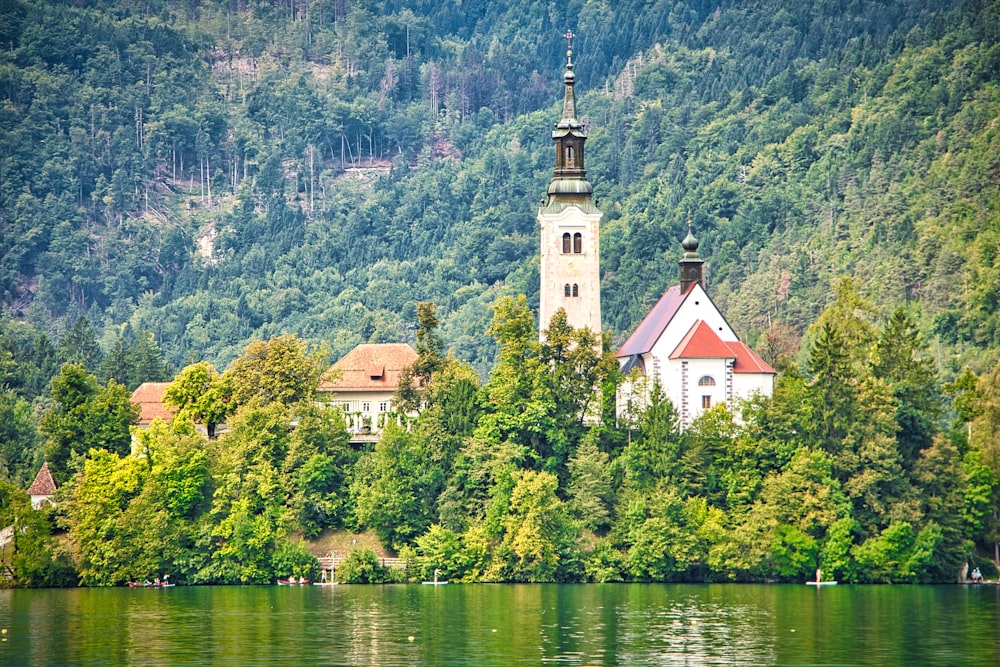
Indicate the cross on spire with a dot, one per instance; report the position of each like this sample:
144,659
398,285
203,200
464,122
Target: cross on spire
569,44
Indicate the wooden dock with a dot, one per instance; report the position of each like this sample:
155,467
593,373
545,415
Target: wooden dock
329,564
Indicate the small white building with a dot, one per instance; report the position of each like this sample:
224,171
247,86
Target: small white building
42,489
686,345
363,384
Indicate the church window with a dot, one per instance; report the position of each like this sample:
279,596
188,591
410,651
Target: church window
578,243
566,243
570,156
706,402
706,381
566,291
576,290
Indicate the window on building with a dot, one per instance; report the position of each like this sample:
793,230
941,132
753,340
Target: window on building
566,247
366,406
706,381
576,290
570,156
706,402
566,290
578,243
383,406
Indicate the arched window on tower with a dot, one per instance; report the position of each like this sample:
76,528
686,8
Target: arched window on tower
576,290
566,243
706,381
570,156
578,243
566,291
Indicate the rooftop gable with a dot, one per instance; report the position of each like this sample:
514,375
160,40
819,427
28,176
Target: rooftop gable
368,367
701,342
43,485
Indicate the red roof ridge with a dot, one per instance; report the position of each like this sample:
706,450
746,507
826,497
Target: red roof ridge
700,342
748,361
43,485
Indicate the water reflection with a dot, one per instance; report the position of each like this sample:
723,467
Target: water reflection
503,625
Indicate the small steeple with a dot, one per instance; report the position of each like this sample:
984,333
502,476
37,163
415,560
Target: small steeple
691,264
569,79
569,181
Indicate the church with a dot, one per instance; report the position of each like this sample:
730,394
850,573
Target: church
684,345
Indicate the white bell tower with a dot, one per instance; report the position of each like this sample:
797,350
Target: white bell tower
570,224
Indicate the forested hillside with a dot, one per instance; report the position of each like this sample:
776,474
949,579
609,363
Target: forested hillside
187,187
217,173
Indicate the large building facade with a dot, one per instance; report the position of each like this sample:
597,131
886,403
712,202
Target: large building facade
570,226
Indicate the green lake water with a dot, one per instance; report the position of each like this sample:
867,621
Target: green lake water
493,625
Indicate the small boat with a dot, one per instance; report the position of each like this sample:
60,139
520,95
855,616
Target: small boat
293,582
149,584
325,583
821,583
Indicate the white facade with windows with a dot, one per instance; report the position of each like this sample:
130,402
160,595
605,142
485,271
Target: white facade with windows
686,346
362,384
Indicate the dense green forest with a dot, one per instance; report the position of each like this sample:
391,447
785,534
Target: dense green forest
180,179
529,476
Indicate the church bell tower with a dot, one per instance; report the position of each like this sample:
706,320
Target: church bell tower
570,223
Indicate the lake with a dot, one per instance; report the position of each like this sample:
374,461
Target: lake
504,624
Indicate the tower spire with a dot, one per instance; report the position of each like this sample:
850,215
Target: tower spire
569,181
691,264
569,80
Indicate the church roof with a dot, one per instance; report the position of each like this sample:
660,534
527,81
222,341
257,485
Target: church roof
43,485
149,397
700,342
369,367
748,361
654,324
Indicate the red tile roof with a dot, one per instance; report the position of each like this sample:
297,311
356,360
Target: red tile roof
149,398
700,342
43,485
653,325
747,361
369,367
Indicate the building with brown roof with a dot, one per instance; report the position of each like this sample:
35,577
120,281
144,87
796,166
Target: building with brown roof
363,383
42,489
149,397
